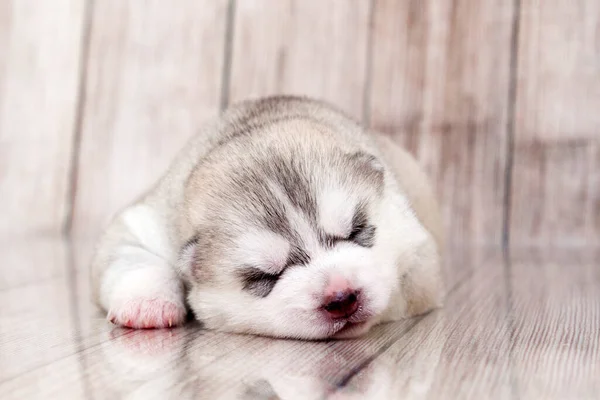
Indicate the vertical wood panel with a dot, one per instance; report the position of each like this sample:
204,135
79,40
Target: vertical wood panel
556,174
40,44
154,77
307,47
440,82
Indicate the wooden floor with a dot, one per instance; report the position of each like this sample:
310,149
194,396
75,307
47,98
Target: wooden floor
522,327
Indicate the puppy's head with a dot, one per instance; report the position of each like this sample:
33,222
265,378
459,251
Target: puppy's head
290,237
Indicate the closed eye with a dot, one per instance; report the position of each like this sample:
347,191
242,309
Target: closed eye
362,233
356,232
258,282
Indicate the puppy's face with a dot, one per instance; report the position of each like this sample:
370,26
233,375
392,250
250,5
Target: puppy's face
296,242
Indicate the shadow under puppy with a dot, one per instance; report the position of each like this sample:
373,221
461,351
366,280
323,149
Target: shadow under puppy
282,217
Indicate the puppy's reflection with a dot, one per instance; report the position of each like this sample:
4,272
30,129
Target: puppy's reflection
191,363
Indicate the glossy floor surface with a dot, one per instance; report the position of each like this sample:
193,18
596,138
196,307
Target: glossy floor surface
522,326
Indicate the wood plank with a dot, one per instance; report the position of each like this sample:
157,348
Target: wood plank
440,83
556,174
306,47
459,351
31,261
154,77
46,317
40,48
35,313
556,312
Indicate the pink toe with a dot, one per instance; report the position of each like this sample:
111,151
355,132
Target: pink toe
148,314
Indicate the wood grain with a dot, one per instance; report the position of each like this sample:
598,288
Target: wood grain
556,174
440,84
35,312
460,351
531,333
40,47
154,76
306,47
556,313
39,260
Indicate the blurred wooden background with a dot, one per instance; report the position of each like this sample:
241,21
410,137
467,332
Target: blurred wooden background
499,100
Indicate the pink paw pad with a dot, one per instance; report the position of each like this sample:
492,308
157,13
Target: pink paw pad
148,314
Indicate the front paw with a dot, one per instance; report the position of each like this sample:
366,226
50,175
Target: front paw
144,297
144,313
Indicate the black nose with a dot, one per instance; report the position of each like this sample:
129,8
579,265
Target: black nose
342,304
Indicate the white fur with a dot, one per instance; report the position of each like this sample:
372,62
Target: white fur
139,283
136,272
336,208
261,249
148,227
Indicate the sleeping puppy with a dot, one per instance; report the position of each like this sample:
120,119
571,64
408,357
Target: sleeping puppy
284,218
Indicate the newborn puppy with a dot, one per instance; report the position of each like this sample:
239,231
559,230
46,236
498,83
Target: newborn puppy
283,218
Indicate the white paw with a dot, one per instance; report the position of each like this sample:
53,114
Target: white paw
144,297
141,313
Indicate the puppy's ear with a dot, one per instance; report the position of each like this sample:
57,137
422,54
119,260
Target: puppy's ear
367,159
422,285
368,165
186,260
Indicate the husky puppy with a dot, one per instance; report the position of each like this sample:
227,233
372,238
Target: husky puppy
283,217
